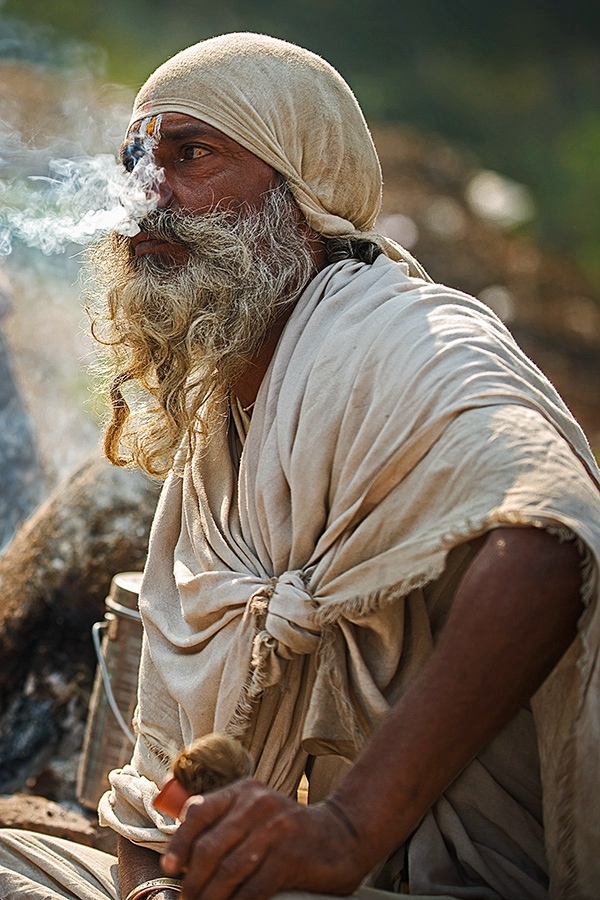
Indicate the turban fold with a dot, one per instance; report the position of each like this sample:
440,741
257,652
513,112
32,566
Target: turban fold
291,109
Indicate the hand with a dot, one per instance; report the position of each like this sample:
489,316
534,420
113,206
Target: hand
247,841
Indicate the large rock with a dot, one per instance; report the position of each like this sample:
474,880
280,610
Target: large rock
32,813
54,577
20,471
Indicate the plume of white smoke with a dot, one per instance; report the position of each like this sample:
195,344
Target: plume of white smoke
75,200
60,180
61,183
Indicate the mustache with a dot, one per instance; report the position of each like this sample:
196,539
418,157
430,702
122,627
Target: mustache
166,225
206,236
185,227
178,226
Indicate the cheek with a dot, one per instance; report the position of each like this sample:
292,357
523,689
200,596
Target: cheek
244,183
253,181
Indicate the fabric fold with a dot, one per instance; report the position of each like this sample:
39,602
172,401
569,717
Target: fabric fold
267,94
285,596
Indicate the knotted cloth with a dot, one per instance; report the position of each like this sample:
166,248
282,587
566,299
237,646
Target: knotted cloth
290,108
283,599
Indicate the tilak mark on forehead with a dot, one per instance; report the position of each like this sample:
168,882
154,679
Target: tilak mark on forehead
141,139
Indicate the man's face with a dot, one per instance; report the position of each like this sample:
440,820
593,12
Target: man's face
204,170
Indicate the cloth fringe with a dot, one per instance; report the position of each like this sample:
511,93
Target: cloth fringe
355,607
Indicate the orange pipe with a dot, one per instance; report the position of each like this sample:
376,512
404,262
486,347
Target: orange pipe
171,798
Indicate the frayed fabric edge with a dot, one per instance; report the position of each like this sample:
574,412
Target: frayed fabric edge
327,616
354,607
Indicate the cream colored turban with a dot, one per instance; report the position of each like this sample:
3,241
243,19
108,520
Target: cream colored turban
291,109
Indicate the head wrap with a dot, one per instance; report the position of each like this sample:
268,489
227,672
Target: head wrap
292,110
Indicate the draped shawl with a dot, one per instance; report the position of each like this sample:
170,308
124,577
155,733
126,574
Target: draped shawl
397,420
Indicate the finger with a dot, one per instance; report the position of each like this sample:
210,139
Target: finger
265,881
211,852
232,870
200,815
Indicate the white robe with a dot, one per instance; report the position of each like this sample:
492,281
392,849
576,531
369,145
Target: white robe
285,597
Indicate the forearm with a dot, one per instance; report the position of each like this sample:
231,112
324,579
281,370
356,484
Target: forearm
137,865
513,616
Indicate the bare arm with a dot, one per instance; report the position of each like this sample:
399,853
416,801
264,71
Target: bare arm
137,865
513,616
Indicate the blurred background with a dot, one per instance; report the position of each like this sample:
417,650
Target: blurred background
486,116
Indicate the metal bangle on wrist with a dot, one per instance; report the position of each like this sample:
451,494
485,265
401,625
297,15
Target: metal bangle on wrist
163,893
155,884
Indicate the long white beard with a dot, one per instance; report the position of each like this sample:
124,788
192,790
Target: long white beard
184,331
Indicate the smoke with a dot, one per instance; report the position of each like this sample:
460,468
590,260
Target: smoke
61,183
78,199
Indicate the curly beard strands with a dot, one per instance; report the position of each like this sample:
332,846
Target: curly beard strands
181,333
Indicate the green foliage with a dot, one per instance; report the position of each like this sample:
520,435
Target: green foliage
517,82
578,152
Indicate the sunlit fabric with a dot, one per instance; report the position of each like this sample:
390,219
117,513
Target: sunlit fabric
309,560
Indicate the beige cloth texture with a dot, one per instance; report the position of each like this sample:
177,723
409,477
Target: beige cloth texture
290,108
283,598
40,867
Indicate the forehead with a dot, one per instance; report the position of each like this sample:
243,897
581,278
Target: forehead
173,127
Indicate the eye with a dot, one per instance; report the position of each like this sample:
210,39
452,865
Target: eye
194,151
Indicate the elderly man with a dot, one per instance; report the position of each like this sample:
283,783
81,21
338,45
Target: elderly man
378,532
